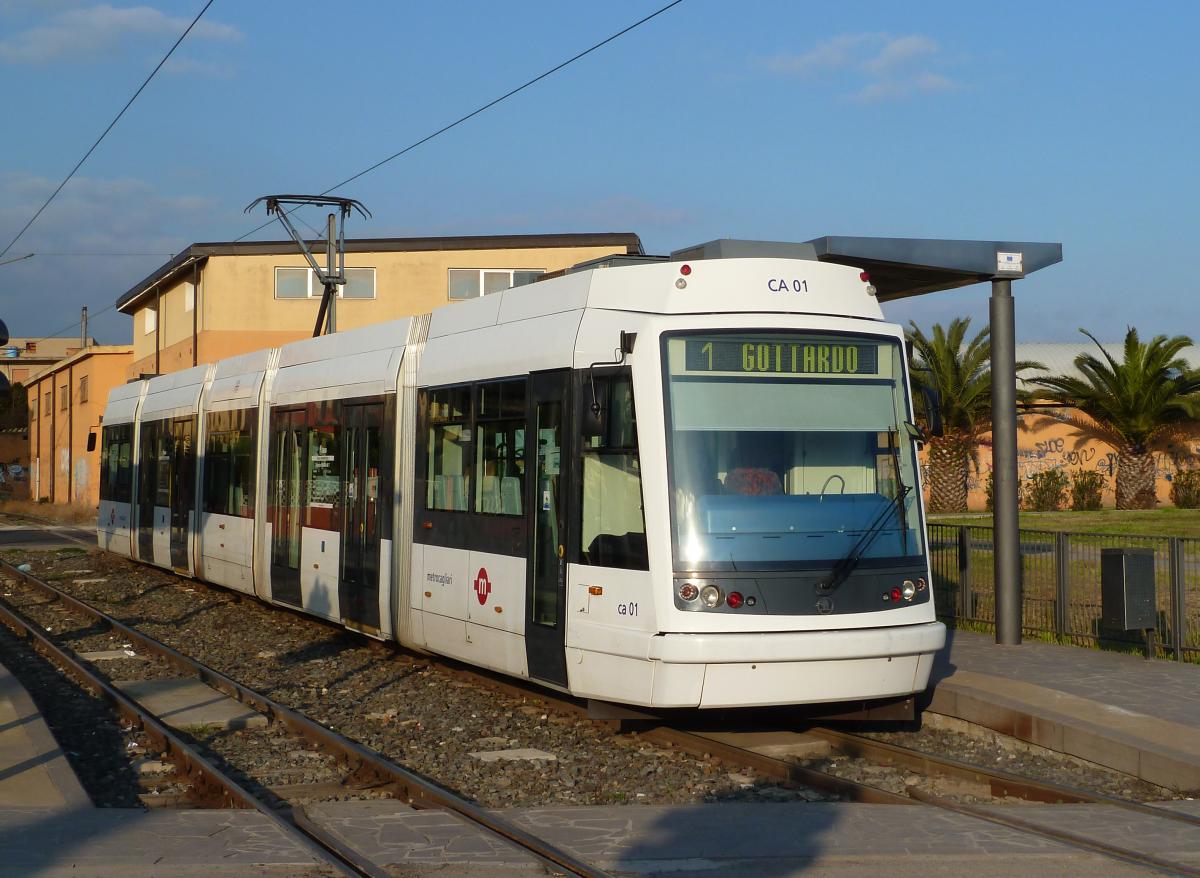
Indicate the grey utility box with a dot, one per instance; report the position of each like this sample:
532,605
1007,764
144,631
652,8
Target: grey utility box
1127,589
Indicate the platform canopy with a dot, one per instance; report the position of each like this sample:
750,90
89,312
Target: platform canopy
899,267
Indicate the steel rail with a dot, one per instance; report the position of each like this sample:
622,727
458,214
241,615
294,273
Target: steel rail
1001,783
211,784
364,764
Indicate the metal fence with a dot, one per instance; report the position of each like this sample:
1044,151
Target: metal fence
1061,584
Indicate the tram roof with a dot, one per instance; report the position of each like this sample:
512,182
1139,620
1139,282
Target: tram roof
899,267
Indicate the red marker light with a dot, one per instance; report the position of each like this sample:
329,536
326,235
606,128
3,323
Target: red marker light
734,600
685,269
864,277
895,594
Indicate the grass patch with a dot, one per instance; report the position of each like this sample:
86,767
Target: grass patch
1168,522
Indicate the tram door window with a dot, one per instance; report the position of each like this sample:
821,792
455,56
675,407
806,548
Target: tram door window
178,445
364,511
285,502
147,493
547,494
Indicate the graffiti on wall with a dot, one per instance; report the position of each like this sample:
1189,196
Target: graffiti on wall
1071,454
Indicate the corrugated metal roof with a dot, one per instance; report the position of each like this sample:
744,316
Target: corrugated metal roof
1059,357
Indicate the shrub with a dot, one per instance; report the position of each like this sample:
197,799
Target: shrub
1185,489
1046,491
989,487
1087,488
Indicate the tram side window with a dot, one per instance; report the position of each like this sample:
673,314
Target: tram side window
116,464
448,450
500,447
323,473
229,456
613,532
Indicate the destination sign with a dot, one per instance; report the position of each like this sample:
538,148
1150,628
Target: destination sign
782,357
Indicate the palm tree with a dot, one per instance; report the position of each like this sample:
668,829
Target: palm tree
962,376
1131,405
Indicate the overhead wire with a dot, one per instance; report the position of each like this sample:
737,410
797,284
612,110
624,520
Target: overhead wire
459,121
110,127
484,107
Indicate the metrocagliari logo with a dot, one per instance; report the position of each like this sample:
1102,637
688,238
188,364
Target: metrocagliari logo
483,586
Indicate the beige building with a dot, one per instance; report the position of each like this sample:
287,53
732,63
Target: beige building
219,300
23,357
66,401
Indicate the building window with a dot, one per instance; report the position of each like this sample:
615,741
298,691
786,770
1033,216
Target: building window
189,296
151,320
303,283
31,347
62,391
471,283
291,283
47,404
83,389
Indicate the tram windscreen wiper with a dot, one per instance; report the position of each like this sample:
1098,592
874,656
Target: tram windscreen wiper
845,566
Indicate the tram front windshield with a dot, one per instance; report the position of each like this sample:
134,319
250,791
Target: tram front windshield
789,451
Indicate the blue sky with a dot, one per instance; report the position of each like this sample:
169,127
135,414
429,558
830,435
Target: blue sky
1065,122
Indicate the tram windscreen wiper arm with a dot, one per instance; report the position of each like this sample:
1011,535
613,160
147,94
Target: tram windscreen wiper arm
844,567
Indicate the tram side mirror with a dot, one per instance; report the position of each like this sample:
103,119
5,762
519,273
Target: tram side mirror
91,443
915,432
628,339
933,411
595,412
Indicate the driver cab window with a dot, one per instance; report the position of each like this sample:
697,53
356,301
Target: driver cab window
613,531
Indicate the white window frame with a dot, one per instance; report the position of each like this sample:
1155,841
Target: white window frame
316,289
151,320
480,272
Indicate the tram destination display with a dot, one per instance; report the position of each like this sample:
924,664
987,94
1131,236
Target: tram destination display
781,356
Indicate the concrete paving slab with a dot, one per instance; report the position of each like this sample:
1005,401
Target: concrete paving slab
124,841
520,754
820,838
107,655
776,744
186,702
33,769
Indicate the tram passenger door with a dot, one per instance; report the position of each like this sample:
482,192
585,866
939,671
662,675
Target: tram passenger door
286,503
364,504
147,489
545,620
182,444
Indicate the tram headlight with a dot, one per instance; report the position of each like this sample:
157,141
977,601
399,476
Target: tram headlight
710,596
908,589
688,592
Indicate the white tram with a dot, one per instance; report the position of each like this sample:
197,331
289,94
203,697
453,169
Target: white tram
665,484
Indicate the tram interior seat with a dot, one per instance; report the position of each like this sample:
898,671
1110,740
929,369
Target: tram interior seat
500,495
449,492
627,550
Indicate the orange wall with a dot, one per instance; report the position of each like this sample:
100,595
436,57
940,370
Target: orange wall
1045,442
63,470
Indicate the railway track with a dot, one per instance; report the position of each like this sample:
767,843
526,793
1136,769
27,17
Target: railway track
731,748
214,787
